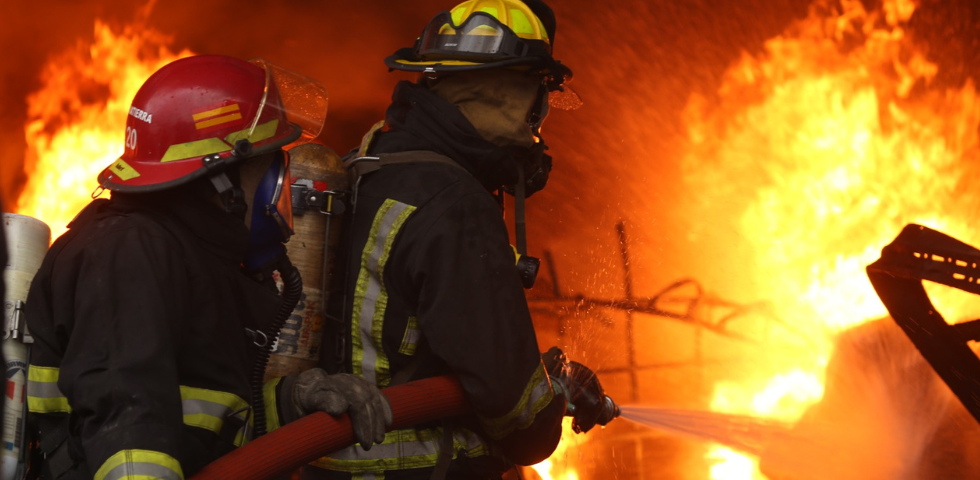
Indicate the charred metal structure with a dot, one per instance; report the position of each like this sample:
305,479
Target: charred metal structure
917,254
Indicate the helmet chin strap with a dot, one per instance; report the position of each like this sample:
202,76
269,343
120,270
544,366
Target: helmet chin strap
527,266
232,197
520,224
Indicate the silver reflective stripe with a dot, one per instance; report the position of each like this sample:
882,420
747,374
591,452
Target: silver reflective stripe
143,471
192,407
43,394
540,390
537,394
410,341
402,449
43,389
390,451
210,409
372,304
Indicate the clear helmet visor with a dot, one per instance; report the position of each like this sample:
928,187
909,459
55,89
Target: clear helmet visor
301,99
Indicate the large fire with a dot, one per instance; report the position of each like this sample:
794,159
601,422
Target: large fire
821,150
77,120
816,152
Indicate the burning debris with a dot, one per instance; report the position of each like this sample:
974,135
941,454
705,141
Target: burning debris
812,156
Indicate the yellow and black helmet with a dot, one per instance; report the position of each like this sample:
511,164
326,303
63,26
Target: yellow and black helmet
486,34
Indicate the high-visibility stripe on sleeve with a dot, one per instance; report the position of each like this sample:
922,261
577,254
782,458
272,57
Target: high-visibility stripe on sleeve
537,394
203,408
43,394
210,409
410,340
402,450
140,465
271,403
370,296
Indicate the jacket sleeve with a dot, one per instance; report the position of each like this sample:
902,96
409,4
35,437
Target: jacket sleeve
278,401
119,370
474,316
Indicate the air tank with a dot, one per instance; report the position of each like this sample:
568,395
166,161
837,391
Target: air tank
27,242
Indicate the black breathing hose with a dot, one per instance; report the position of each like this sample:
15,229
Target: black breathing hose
292,290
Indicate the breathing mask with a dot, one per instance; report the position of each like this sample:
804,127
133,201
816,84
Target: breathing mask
272,216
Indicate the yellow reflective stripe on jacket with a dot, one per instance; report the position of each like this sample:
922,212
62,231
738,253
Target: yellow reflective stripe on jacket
140,465
208,409
410,341
201,407
272,421
402,449
537,395
370,296
43,394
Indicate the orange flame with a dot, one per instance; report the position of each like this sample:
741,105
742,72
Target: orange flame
557,467
823,148
76,121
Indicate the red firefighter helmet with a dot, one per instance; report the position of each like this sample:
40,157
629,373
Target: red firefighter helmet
204,113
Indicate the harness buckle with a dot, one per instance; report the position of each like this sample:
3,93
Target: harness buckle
15,325
307,197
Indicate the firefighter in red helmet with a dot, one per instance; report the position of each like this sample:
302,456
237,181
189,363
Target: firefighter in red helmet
152,314
432,285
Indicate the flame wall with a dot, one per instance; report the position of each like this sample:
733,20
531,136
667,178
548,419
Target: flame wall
638,63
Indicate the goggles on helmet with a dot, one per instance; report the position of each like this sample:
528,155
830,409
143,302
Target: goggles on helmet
484,40
480,37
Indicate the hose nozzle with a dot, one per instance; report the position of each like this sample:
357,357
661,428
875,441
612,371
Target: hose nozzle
609,411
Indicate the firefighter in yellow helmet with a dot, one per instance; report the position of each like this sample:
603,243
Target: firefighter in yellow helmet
432,286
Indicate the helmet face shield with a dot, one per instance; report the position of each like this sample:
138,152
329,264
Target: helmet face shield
301,99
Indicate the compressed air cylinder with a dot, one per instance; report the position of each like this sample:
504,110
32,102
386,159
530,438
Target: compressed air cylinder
27,242
316,171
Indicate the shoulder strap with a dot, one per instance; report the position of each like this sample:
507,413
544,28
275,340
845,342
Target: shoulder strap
363,165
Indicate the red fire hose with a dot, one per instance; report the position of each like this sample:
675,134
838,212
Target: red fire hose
298,443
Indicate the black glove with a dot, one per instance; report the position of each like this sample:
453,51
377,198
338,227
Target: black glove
314,390
588,404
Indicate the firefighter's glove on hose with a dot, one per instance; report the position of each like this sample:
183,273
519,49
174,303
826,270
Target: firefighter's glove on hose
314,390
588,404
